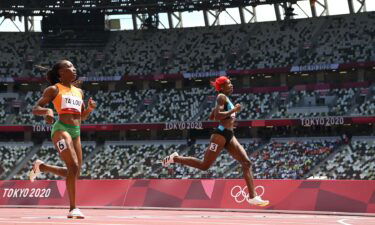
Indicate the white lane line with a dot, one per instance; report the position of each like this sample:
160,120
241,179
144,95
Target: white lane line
342,222
61,222
124,222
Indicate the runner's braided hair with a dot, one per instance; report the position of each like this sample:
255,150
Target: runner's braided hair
53,76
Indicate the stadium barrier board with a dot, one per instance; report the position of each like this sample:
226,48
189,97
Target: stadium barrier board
307,195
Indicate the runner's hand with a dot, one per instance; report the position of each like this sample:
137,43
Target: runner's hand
237,107
91,104
49,117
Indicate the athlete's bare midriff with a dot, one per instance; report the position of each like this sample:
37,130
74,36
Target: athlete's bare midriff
228,123
71,119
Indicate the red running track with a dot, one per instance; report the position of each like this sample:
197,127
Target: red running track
44,216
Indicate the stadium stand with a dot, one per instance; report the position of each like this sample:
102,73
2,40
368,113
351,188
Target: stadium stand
235,47
334,102
2,111
291,158
195,104
355,161
119,160
11,155
119,106
286,158
366,106
48,154
223,48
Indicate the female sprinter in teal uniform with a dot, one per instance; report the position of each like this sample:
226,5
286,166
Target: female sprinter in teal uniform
223,137
68,102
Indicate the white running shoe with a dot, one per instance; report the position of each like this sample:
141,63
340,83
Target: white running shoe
169,159
75,214
35,171
257,200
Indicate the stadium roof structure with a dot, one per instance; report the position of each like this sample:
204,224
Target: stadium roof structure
174,8
42,7
110,7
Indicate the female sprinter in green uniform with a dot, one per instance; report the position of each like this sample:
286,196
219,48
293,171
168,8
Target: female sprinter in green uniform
68,102
223,137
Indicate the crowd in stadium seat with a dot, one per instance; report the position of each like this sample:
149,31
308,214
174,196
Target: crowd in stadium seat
121,160
195,104
341,104
205,49
349,34
367,107
274,44
290,159
278,159
2,111
25,115
82,60
238,47
176,105
15,49
119,106
124,106
355,161
49,155
140,52
255,105
11,155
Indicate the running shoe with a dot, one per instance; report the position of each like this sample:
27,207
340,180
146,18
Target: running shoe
169,159
75,214
35,171
257,200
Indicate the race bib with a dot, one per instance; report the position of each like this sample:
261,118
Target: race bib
213,147
61,145
72,103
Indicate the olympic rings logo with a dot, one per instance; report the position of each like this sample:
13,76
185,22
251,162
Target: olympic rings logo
240,194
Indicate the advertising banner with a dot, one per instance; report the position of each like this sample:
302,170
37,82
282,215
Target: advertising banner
189,125
204,74
307,195
315,67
